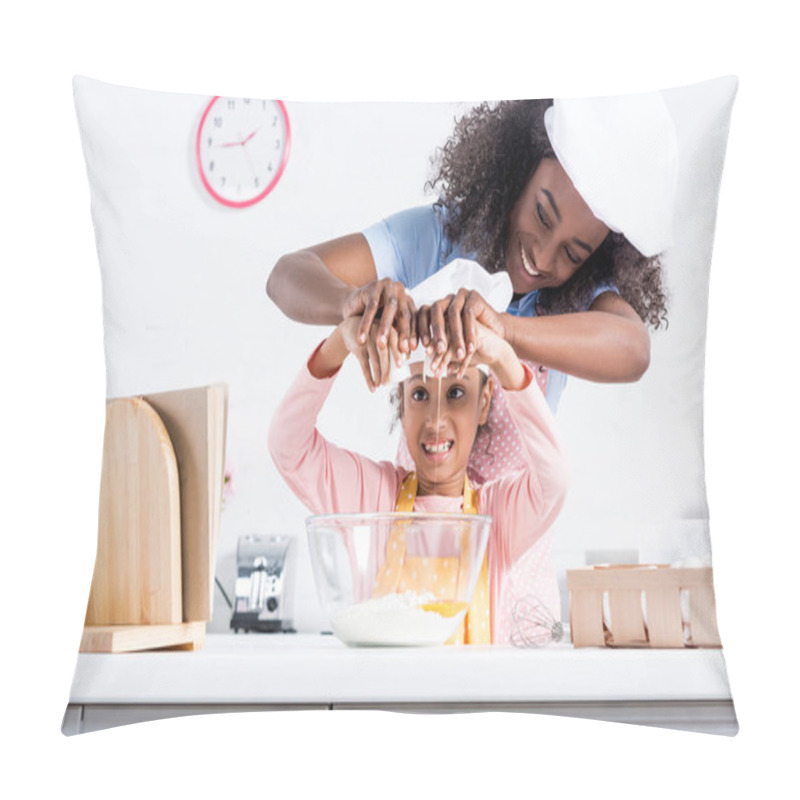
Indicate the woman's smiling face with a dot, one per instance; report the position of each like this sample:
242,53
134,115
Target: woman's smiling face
551,231
440,420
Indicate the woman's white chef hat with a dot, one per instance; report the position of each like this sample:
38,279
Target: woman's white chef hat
621,154
461,273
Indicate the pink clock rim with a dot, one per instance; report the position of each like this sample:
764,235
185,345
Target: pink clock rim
253,200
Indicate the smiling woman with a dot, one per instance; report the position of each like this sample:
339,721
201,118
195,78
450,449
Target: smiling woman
583,294
494,177
552,231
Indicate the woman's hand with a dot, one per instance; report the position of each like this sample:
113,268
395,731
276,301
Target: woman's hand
449,328
384,304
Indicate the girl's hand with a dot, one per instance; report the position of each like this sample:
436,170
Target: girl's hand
383,304
448,328
374,360
490,349
499,356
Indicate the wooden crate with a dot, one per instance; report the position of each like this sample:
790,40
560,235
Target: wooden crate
640,605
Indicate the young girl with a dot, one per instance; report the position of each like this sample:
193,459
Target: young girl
440,419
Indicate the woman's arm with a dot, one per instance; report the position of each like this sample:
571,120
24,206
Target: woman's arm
332,281
609,343
313,285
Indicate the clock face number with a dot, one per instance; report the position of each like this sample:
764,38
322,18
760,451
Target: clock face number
242,148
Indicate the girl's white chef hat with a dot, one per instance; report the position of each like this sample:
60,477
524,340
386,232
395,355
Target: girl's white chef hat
621,154
461,273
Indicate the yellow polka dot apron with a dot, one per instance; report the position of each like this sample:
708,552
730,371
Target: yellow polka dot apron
415,573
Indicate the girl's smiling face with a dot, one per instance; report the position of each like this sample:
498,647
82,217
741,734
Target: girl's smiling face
551,231
440,419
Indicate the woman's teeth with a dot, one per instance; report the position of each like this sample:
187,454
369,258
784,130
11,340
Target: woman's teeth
441,447
529,268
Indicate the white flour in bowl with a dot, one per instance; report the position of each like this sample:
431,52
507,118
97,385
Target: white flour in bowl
394,620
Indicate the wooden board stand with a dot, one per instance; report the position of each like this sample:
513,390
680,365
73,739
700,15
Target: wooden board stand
644,606
133,638
160,500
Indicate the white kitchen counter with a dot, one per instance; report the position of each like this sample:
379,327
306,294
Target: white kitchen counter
675,688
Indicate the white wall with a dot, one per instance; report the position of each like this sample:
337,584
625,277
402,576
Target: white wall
184,304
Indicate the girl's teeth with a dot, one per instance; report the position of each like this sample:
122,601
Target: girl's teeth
528,266
438,448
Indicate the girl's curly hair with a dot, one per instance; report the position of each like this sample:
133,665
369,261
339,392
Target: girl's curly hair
481,172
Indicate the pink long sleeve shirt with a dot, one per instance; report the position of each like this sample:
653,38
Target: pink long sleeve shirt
523,505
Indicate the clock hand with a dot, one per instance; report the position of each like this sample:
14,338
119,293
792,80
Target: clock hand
245,141
249,160
242,142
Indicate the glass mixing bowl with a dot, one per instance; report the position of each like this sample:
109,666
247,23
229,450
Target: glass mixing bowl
396,579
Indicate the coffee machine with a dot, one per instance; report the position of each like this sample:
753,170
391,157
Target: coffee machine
263,598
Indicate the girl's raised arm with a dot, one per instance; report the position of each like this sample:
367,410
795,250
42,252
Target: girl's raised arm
327,479
523,504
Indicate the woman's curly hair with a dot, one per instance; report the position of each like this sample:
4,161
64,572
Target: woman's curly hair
482,170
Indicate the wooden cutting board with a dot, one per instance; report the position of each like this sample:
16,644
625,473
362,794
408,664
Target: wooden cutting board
195,420
137,574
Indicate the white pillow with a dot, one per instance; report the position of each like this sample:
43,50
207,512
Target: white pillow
183,275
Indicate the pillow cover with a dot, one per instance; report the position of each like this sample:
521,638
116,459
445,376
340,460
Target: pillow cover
194,199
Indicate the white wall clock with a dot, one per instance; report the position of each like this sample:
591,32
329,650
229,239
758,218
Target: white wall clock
242,148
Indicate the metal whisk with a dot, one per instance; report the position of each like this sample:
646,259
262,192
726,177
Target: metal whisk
533,624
